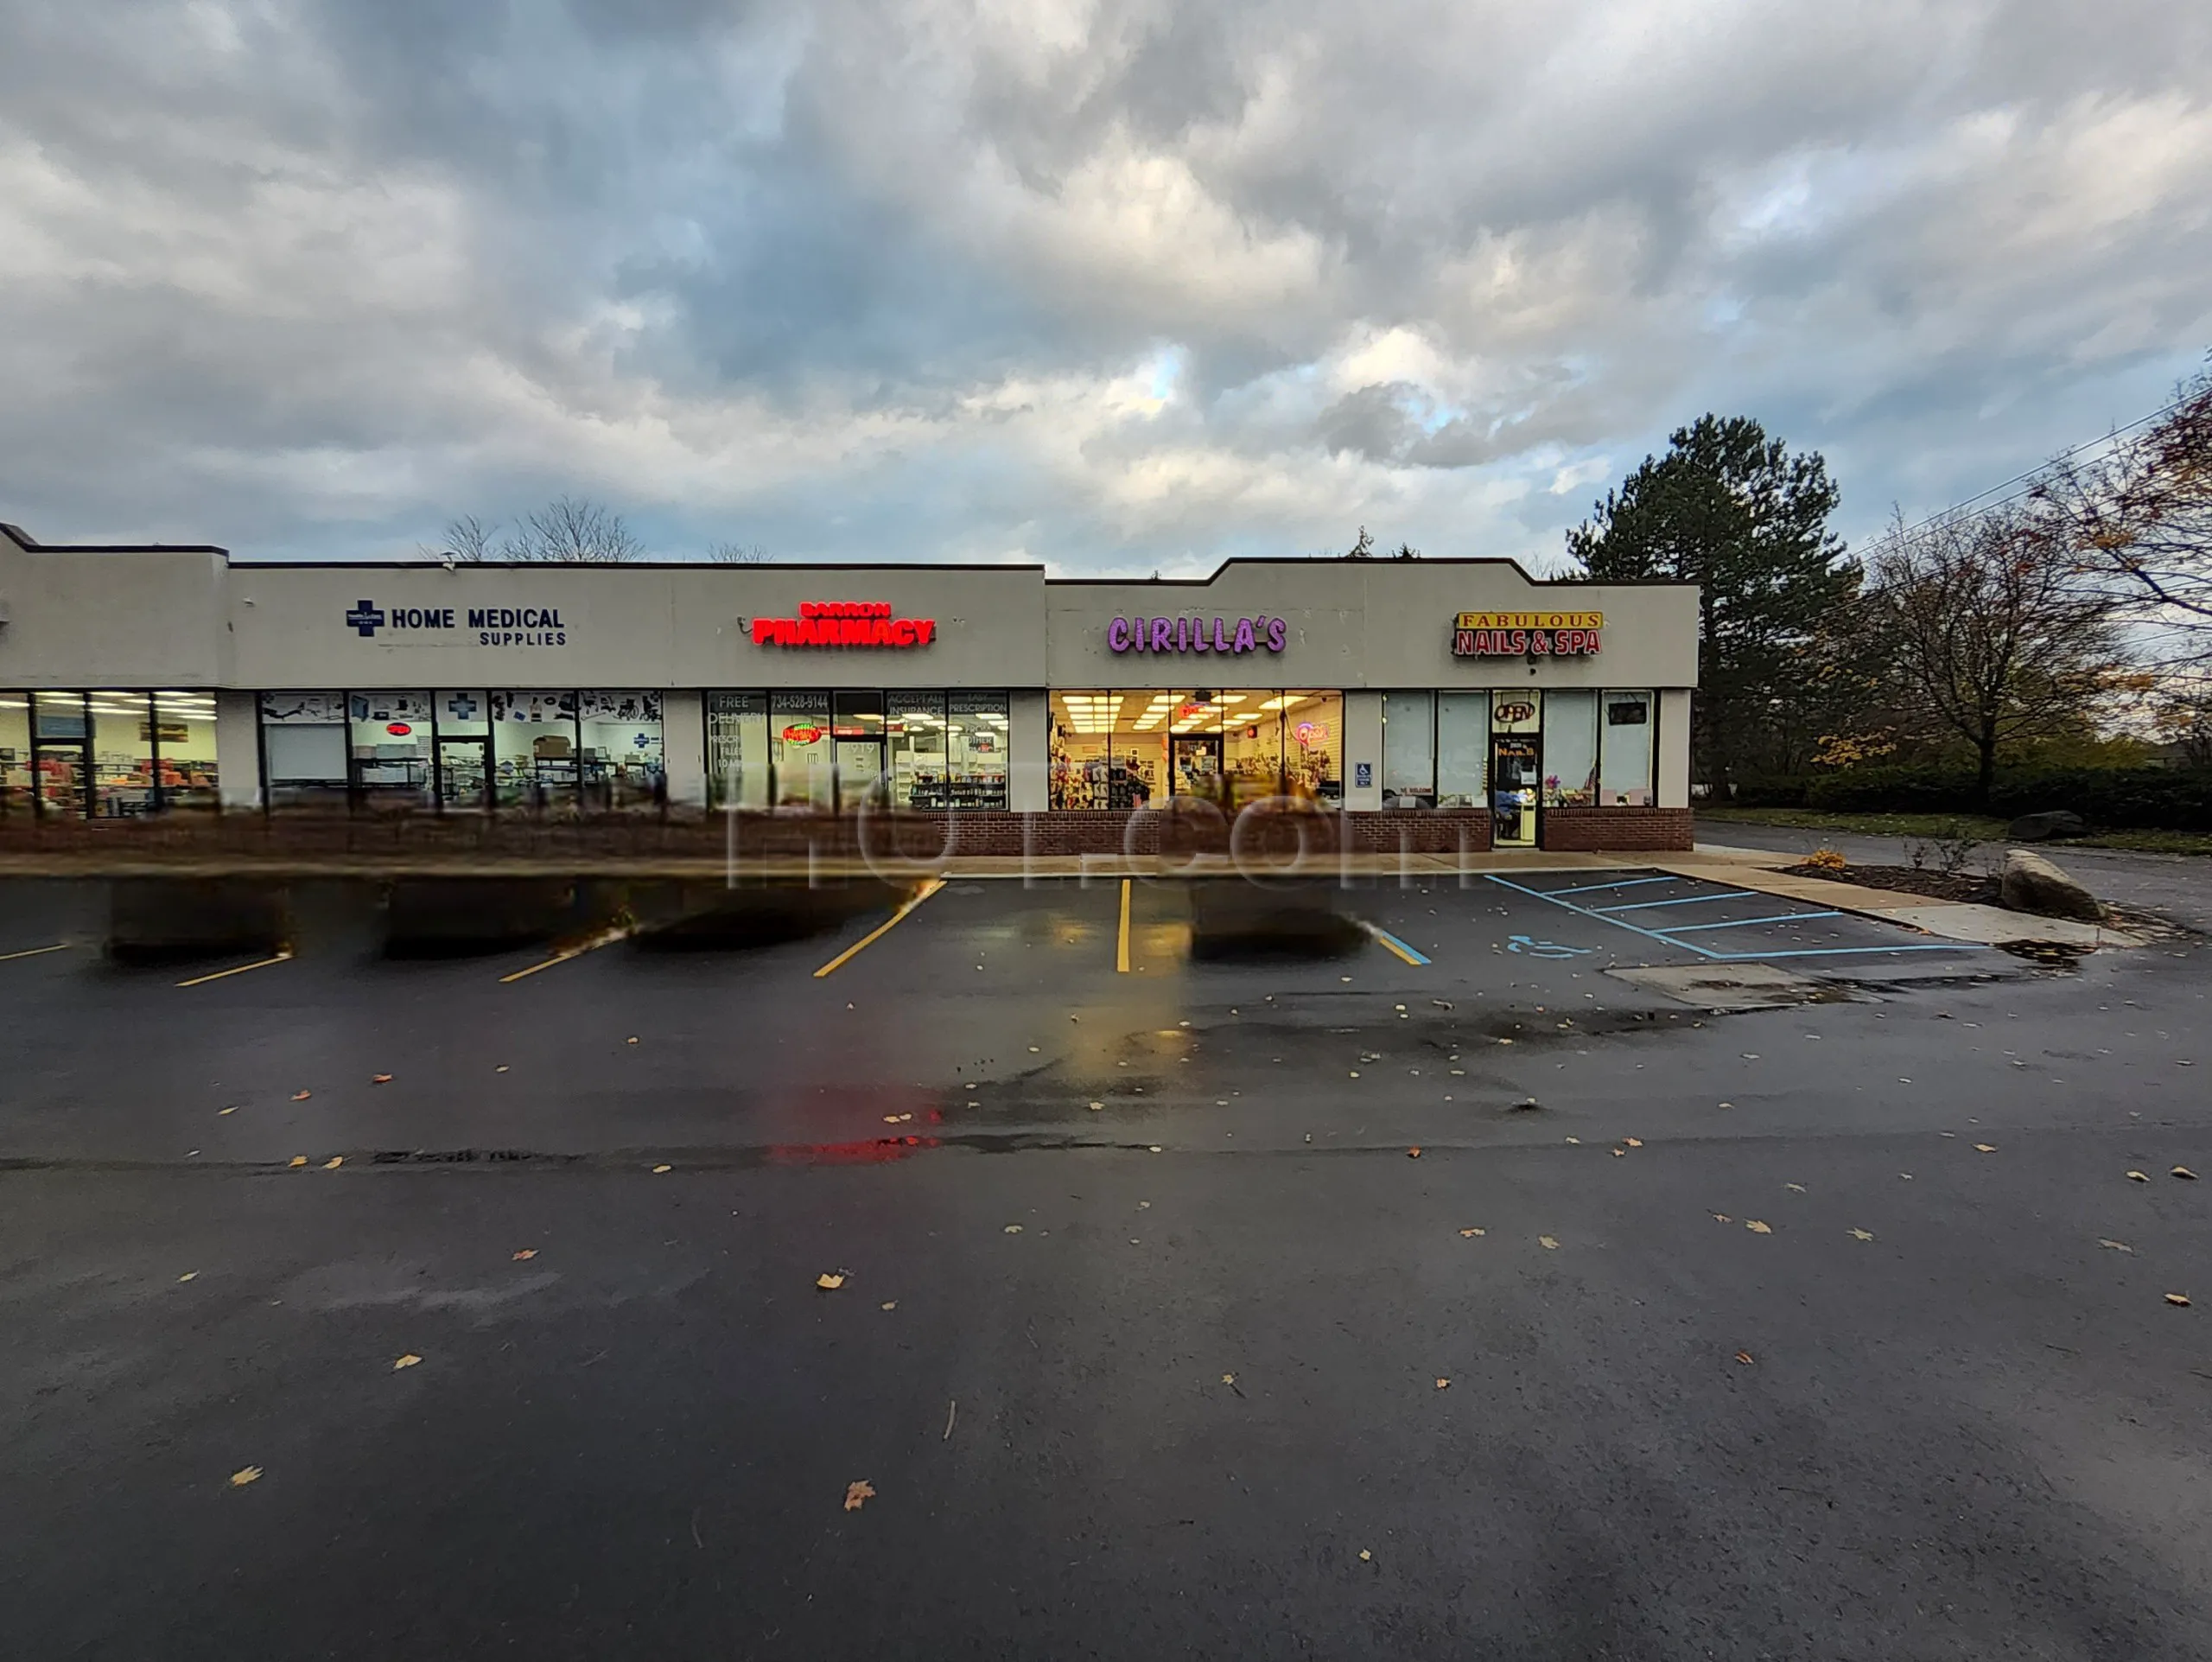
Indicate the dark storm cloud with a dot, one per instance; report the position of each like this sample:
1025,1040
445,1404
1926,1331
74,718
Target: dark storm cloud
1129,283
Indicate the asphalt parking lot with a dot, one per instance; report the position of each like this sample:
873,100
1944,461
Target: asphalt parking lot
1442,1292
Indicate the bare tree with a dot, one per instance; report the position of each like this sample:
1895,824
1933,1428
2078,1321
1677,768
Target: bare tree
1995,638
739,554
2140,519
574,530
469,540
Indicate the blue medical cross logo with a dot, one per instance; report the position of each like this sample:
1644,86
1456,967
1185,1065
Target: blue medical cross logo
365,618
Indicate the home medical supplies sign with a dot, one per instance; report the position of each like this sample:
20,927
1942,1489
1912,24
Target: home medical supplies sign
1533,634
843,623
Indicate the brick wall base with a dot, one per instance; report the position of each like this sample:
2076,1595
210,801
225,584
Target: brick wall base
1586,829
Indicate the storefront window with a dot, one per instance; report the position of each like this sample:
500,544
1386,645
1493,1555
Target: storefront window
61,753
15,753
1408,750
185,738
620,735
1462,748
1312,746
534,760
804,752
915,736
1570,755
1624,741
122,755
303,748
737,749
1251,739
975,743
1085,771
390,742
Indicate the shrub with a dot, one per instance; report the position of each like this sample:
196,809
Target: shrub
1826,860
2169,799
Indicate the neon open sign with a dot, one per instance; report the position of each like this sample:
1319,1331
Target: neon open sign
844,623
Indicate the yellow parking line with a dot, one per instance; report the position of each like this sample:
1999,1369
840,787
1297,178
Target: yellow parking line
881,929
1122,940
607,938
237,969
59,946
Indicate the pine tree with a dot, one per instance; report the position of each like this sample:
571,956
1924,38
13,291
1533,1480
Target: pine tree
1732,511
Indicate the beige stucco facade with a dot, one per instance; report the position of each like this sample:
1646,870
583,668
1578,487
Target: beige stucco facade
157,618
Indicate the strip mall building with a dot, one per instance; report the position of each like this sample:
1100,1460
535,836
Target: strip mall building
1437,705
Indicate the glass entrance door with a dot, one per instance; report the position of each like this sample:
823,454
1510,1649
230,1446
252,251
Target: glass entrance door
464,774
1195,765
63,776
860,771
1516,774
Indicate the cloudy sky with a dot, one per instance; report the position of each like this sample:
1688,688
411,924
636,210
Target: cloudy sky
1118,285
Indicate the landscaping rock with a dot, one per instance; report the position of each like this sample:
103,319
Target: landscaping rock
2037,827
2031,883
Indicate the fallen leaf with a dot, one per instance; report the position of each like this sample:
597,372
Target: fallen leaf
333,1163
1722,1217
1744,1357
301,1096
2139,1177
1862,1234
829,1281
1355,1073
502,1068
1413,1154
2181,1299
1229,1378
2184,1171
1617,1154
1156,1148
189,1275
1444,1384
657,1169
219,1112
379,1079
1985,1147
1364,1554
524,1255
856,1494
888,1304
407,1361
1014,1229
1575,1140
1795,1188
631,1040
244,1475
1547,1243
1757,1228
1633,1142
298,1161
1095,1106
1469,1234
2116,1246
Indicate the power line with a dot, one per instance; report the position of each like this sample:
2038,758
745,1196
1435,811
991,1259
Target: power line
2035,472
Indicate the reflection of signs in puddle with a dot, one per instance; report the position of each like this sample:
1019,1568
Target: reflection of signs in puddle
1544,948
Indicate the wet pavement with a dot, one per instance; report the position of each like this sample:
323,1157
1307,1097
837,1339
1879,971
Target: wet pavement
1147,1294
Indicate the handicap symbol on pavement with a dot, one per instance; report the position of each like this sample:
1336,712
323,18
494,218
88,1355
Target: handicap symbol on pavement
1544,948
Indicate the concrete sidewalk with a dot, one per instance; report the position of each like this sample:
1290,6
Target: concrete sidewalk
1763,869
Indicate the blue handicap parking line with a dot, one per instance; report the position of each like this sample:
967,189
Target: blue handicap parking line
1671,935
1746,923
1687,900
1592,888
